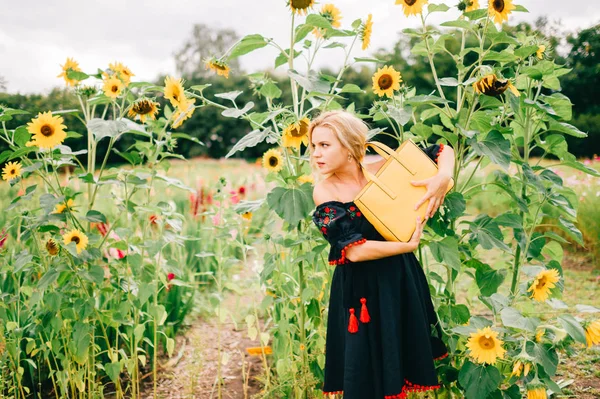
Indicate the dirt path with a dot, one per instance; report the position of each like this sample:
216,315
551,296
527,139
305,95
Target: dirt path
192,372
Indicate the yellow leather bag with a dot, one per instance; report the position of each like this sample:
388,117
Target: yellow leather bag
388,200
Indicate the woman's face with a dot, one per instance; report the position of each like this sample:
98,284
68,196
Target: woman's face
327,151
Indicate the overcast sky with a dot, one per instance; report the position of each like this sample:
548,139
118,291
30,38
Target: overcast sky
37,36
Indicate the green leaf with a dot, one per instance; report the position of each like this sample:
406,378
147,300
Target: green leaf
525,51
270,90
247,44
566,128
351,88
502,57
318,21
113,370
487,233
250,140
421,100
283,59
95,216
511,317
478,381
573,328
488,279
311,82
437,8
230,95
446,251
291,204
21,136
77,75
495,146
81,342
302,31
455,205
561,105
237,112
477,14
462,24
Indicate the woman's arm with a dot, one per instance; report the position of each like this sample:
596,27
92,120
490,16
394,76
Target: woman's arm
371,249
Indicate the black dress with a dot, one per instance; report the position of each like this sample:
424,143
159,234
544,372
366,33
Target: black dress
383,334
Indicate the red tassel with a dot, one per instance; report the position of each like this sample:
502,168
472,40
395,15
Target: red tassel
364,312
353,322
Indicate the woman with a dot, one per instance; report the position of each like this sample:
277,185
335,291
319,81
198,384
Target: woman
383,335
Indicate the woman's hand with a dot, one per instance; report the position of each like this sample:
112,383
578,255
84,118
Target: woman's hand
436,191
416,237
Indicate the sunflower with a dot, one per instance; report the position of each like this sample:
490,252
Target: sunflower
78,238
174,90
184,111
539,335
218,66
113,87
517,369
331,13
52,247
300,7
247,216
592,333
70,65
257,351
412,7
68,205
491,86
385,81
11,171
499,9
543,283
540,51
48,130
366,29
305,179
272,160
536,391
143,108
296,133
123,72
471,5
485,347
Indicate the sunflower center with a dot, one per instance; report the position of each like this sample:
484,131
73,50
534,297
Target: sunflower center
114,89
542,283
410,2
12,172
498,5
47,130
385,81
273,161
486,343
300,4
143,107
76,240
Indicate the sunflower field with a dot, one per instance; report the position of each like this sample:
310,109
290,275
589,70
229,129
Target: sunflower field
101,265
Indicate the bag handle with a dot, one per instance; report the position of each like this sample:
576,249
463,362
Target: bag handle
372,178
386,152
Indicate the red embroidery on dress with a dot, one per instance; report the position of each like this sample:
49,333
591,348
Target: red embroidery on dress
410,387
342,260
364,312
442,357
439,152
333,393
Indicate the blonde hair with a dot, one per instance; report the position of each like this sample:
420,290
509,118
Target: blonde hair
349,129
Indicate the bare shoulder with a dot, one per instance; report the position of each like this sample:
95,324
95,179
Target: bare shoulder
323,192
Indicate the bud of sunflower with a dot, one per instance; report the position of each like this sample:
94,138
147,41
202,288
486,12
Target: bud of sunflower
462,6
517,368
527,368
51,247
87,91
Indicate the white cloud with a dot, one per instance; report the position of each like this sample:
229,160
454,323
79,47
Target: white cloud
36,37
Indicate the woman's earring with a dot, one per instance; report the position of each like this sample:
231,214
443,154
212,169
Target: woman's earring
349,158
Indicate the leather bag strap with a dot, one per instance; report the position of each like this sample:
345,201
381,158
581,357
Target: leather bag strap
387,152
